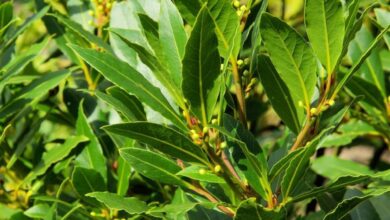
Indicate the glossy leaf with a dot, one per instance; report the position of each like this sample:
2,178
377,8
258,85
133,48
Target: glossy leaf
298,165
292,57
193,172
162,138
333,167
152,165
361,60
383,18
159,69
347,205
371,69
92,155
201,66
130,80
173,39
126,104
78,29
324,23
131,205
79,12
279,95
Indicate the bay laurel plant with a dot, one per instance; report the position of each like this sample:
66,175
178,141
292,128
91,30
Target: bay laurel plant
194,109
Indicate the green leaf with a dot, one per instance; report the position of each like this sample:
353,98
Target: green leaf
19,62
131,205
324,23
347,132
341,183
87,180
40,211
279,95
360,61
193,172
251,210
79,12
124,172
227,24
53,156
18,31
383,19
6,13
173,39
156,65
92,155
162,138
292,57
372,96
188,9
298,165
152,165
32,93
78,29
248,155
346,206
131,81
280,167
371,70
128,105
201,67
334,168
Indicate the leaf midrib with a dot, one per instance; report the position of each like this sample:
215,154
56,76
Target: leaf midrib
298,72
166,143
138,85
152,165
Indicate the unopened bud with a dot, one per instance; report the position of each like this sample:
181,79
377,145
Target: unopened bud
205,130
239,13
214,121
313,110
243,8
217,168
202,171
223,145
331,102
236,4
240,62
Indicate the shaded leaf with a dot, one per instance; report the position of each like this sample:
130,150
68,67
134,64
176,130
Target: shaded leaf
279,95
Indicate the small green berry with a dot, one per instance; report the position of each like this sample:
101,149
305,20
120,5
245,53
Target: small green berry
223,145
240,62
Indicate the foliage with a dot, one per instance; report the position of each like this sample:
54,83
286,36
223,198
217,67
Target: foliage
183,109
